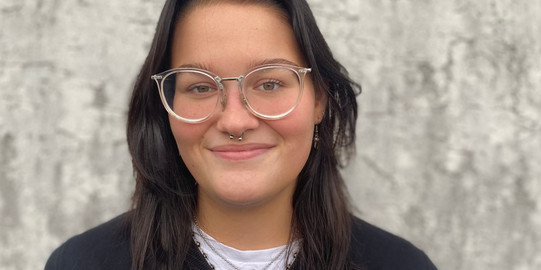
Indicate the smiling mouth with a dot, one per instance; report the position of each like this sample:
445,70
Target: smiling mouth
240,152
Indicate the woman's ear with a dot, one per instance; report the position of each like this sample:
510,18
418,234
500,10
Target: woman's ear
320,106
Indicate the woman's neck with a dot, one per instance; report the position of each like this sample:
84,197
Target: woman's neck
247,228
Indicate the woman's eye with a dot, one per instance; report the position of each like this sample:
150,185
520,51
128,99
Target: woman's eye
201,89
269,86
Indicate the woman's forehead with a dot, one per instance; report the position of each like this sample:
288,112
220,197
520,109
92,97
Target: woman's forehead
225,33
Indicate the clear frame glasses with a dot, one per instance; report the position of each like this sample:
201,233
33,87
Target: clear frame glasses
269,92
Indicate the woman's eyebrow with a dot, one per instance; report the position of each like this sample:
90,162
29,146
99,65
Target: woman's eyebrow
195,65
271,61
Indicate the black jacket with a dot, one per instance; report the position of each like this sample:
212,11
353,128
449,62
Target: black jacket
108,247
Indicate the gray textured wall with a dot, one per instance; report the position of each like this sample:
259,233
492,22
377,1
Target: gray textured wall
449,143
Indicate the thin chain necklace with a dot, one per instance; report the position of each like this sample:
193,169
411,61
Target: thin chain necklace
207,241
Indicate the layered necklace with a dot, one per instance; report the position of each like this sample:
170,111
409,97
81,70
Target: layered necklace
208,242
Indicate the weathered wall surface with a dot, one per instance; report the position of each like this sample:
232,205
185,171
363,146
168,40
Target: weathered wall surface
449,133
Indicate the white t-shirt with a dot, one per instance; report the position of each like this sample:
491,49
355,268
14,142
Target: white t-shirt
243,259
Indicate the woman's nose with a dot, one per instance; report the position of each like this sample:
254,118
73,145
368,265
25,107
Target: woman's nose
234,117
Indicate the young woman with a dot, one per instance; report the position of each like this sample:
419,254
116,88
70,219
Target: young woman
237,123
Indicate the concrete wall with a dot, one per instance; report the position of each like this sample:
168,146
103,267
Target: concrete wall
449,143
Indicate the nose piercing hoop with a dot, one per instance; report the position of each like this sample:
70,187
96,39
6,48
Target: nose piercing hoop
231,137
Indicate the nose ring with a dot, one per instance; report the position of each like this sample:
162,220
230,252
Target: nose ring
239,138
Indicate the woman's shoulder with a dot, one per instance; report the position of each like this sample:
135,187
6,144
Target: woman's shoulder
375,248
106,246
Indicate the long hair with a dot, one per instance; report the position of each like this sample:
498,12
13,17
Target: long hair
165,197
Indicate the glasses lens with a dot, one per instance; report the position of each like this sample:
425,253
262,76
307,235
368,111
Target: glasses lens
190,94
272,91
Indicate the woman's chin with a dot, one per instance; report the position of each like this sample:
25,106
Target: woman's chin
241,198
246,189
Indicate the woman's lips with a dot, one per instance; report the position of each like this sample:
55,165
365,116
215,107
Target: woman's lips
240,152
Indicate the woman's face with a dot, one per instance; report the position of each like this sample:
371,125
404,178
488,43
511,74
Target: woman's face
229,39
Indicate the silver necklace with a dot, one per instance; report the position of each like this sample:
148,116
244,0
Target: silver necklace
207,241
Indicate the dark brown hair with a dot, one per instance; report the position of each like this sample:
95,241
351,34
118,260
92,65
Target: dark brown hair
165,198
